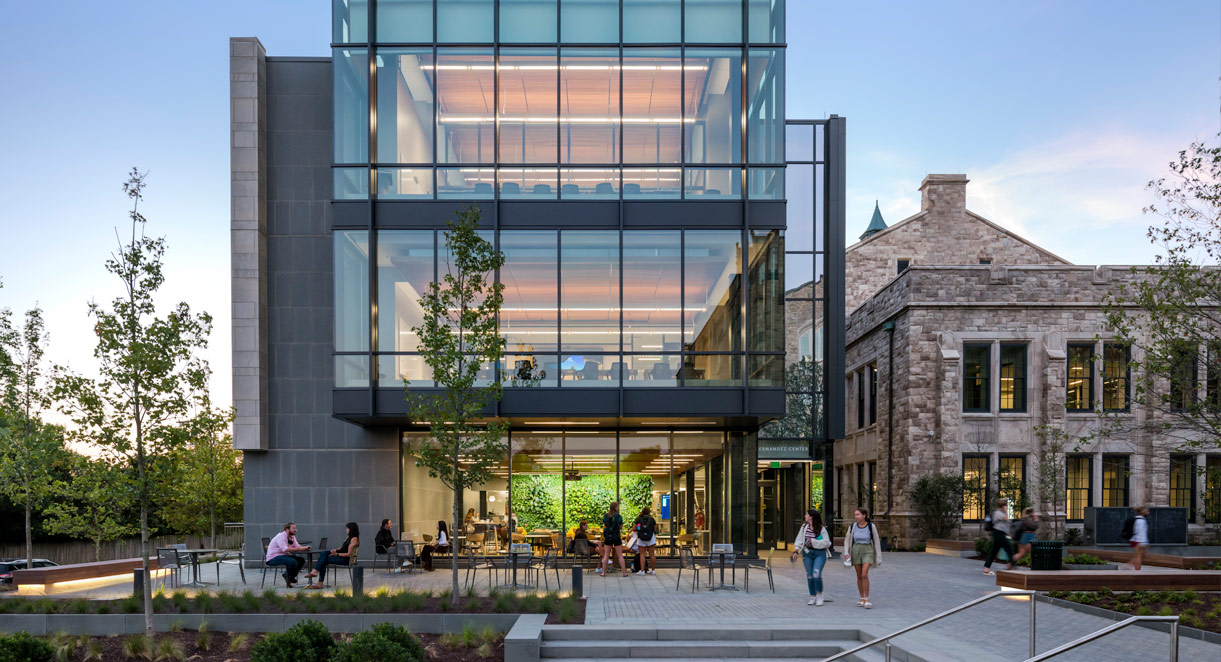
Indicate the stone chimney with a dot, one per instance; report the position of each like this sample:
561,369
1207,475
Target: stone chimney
944,193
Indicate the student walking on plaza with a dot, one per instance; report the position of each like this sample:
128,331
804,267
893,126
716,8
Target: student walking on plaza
646,540
1140,536
612,537
1026,530
998,524
812,543
864,550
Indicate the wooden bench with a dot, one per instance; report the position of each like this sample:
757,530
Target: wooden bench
1162,560
76,576
1116,580
956,548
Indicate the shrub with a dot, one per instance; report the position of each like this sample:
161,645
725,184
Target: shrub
1083,559
938,500
138,646
1072,537
318,636
918,547
170,650
370,646
982,545
283,647
21,647
401,636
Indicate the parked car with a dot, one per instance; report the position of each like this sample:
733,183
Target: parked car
7,566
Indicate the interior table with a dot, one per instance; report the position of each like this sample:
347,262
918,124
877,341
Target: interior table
194,553
722,586
513,561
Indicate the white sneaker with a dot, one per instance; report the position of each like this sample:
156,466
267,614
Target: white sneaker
598,570
641,572
652,572
811,601
818,600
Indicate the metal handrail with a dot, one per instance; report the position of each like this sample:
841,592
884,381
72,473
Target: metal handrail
1174,636
1029,595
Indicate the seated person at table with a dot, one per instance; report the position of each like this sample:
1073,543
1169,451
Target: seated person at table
505,531
384,542
468,522
582,533
441,545
280,552
341,555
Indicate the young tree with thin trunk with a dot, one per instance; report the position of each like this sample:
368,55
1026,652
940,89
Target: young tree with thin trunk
92,506
1049,483
458,337
29,448
207,473
147,369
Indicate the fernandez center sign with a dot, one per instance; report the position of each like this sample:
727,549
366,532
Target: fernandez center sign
784,449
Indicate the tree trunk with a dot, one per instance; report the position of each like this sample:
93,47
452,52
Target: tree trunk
29,535
144,564
453,531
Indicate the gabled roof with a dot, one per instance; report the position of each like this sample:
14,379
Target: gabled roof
922,213
876,224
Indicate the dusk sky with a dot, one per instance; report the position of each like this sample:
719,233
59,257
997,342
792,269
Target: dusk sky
1058,112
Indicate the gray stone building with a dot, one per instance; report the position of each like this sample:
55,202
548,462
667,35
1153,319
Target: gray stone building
962,339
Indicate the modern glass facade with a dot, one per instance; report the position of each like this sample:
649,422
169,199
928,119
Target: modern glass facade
547,100
629,160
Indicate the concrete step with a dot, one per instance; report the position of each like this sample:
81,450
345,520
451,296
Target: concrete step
867,656
689,633
671,649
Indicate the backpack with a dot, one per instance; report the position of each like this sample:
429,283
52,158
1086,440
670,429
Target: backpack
1129,526
988,524
646,528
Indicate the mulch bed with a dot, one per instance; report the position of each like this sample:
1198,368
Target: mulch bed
1195,610
112,649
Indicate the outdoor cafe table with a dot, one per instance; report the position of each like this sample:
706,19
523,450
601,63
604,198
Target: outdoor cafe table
194,553
538,539
722,586
513,561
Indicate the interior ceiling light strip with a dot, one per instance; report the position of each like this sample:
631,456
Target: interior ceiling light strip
479,119
565,67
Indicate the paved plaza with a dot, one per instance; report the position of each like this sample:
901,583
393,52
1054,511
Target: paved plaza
907,588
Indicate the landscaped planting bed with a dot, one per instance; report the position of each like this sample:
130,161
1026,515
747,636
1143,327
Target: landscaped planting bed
1195,610
309,641
384,601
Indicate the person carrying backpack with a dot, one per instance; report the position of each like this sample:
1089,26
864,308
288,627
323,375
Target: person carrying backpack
646,541
998,524
864,549
612,536
1136,530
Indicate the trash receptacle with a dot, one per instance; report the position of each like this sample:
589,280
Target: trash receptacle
1046,554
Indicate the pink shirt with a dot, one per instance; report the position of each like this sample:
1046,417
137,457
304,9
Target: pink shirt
279,545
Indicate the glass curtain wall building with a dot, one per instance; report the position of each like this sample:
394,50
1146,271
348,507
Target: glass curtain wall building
628,157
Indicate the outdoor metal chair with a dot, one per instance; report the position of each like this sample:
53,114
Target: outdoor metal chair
475,563
407,549
353,561
760,564
686,560
550,560
167,559
232,557
582,549
274,568
392,556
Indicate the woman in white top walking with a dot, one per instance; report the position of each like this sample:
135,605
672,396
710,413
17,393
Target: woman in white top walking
812,542
1140,536
864,549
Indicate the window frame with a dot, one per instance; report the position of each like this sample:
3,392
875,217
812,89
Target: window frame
860,398
1020,497
1089,380
902,264
1190,490
1126,489
871,371
1069,489
1212,488
986,489
1127,376
984,383
1182,354
1019,381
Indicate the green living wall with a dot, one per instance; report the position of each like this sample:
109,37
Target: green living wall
538,501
